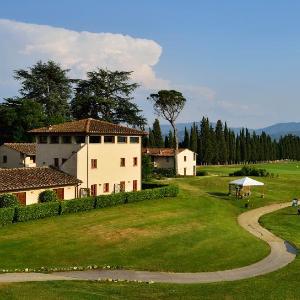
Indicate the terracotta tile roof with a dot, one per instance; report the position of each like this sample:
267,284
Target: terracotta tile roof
18,179
89,126
160,151
26,148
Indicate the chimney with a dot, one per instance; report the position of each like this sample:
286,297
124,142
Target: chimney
50,127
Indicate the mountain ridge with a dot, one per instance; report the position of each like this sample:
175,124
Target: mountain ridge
275,131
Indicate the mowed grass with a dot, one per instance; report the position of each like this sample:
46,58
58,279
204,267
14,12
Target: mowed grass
280,285
196,231
202,199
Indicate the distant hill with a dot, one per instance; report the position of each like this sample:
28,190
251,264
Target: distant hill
275,131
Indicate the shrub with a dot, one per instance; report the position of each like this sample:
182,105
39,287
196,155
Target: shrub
7,215
76,205
167,191
8,200
201,173
111,200
147,167
159,172
47,196
250,171
151,185
37,211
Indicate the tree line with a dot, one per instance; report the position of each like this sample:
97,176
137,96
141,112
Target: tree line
49,96
218,144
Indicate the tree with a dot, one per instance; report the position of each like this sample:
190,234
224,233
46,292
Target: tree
47,84
158,139
169,104
193,138
17,117
186,140
147,167
221,155
107,95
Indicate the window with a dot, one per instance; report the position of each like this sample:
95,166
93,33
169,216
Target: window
95,139
194,170
122,186
134,140
122,139
106,188
184,170
56,162
4,159
134,185
94,190
80,139
63,160
43,139
66,139
32,157
109,139
135,161
184,158
54,139
122,162
94,163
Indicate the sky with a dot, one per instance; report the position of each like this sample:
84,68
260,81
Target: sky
238,61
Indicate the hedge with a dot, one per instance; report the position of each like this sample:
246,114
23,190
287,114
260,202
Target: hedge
37,211
49,209
76,205
167,191
110,200
8,200
7,215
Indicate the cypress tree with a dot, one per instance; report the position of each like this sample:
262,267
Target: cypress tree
157,135
186,141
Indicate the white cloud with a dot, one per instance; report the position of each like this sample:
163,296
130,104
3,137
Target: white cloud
79,51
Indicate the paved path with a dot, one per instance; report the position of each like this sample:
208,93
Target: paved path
282,253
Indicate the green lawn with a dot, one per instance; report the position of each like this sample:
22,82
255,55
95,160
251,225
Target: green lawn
195,232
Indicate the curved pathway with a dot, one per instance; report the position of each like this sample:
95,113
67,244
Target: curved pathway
282,253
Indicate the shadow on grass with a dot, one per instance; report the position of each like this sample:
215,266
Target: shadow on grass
219,195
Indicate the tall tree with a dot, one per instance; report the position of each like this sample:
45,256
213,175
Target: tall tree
186,140
193,138
158,139
17,116
107,95
169,104
47,84
221,155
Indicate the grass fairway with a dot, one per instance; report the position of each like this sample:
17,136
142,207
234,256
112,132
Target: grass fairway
196,231
280,285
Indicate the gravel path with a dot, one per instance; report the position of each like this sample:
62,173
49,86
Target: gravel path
282,253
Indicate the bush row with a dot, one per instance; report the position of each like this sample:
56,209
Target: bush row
49,209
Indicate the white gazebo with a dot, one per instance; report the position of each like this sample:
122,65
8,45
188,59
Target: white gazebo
243,186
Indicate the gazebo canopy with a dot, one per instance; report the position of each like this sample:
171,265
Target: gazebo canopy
246,181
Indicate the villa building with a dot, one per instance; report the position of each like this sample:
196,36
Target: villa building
105,157
163,158
17,155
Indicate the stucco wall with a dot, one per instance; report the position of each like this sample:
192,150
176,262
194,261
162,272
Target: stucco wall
163,162
13,158
189,164
108,162
33,195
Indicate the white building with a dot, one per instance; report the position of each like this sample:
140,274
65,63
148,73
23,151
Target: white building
163,158
106,157
17,155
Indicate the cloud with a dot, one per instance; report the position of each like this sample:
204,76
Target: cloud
79,51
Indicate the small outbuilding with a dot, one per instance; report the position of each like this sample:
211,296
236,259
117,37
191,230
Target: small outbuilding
27,183
242,187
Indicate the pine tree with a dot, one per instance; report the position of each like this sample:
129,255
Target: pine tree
151,138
